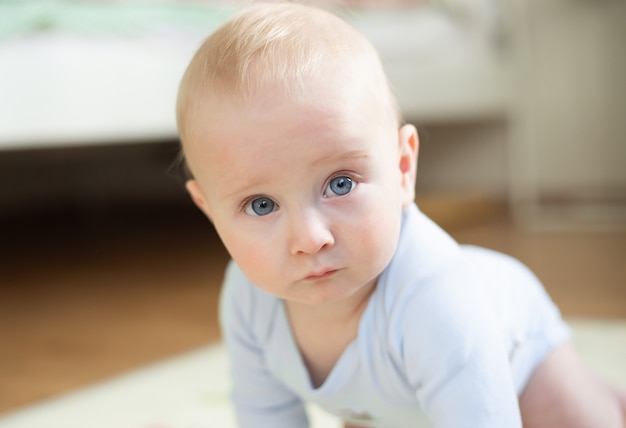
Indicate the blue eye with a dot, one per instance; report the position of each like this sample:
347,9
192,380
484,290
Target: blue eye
339,186
260,207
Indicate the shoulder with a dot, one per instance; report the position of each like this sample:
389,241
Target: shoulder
237,292
442,330
428,269
434,299
243,306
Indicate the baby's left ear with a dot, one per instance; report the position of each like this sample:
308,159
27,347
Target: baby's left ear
409,147
197,197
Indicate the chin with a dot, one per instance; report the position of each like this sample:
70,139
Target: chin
328,292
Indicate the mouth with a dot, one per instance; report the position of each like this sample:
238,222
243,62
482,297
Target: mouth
321,275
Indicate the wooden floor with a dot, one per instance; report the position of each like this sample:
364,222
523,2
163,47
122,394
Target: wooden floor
82,298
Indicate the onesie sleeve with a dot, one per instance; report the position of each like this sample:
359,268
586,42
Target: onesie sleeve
454,356
260,400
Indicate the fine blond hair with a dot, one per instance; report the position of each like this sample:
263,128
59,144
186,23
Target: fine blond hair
279,46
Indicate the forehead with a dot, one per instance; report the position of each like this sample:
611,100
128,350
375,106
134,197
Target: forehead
319,116
272,137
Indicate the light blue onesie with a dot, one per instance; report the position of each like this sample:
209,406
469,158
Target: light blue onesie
449,339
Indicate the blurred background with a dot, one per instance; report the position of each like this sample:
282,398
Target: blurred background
105,265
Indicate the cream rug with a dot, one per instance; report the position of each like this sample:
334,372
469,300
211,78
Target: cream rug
191,391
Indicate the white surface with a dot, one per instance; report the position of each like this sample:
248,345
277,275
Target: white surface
441,69
191,391
64,89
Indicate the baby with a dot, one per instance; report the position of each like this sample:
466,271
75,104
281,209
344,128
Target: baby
340,291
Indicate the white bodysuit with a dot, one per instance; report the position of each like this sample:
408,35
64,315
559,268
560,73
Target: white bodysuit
449,338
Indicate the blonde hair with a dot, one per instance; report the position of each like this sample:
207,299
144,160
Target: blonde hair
277,45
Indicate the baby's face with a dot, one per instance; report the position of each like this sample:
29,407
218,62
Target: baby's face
307,194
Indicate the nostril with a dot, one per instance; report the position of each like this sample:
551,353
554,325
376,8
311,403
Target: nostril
312,244
308,233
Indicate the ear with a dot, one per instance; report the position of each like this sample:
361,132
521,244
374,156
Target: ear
409,147
196,196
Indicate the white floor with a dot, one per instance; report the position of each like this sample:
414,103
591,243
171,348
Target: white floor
191,391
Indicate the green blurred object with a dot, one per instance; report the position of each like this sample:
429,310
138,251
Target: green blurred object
27,17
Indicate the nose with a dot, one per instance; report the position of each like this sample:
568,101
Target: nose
309,232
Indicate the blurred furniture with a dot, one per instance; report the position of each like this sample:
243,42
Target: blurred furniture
549,75
568,114
82,73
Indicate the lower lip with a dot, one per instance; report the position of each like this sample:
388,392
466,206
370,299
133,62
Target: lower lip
321,276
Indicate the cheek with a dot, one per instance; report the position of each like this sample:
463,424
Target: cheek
256,256
374,232
383,230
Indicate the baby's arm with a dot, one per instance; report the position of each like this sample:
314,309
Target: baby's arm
454,357
564,393
259,399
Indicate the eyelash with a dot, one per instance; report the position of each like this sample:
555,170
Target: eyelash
339,174
246,202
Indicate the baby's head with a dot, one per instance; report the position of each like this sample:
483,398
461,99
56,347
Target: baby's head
291,134
279,49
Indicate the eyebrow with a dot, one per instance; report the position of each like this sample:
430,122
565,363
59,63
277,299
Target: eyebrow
331,158
336,157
